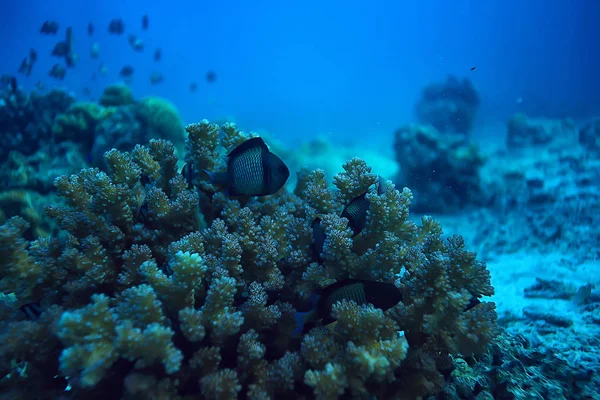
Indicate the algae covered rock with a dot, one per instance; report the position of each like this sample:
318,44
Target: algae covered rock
78,123
126,125
115,95
160,118
450,106
120,130
441,169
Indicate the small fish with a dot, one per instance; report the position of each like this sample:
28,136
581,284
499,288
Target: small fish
126,71
139,192
13,84
116,26
61,49
58,72
356,214
156,78
90,29
189,174
144,179
71,59
252,170
95,50
382,185
318,241
25,67
145,22
69,36
382,295
211,76
356,211
102,70
141,215
49,28
193,87
157,54
28,62
136,43
474,302
31,310
473,68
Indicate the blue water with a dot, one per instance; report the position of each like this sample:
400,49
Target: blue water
343,68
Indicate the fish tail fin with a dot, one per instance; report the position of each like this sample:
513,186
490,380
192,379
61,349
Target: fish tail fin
217,178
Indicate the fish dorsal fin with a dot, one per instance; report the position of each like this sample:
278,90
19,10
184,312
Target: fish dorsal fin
249,144
381,185
339,284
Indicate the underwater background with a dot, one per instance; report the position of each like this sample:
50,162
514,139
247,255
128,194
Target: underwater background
300,200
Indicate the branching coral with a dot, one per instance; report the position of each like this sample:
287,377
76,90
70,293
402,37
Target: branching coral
140,299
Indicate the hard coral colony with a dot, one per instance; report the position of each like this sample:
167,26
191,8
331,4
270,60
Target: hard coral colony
198,299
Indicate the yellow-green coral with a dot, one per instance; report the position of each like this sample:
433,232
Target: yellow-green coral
139,294
368,346
16,264
97,335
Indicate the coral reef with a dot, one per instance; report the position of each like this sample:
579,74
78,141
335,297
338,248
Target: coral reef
26,119
47,135
129,122
443,170
78,124
160,289
28,205
450,106
122,130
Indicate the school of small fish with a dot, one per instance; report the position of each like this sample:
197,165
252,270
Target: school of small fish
64,50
